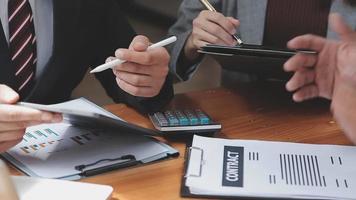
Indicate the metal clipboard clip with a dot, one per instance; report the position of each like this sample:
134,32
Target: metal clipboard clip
201,162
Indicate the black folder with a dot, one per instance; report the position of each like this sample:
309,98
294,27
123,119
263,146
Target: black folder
260,60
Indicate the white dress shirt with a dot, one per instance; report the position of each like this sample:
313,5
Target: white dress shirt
43,20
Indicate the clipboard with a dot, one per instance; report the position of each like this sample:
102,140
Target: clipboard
326,169
73,150
98,167
263,61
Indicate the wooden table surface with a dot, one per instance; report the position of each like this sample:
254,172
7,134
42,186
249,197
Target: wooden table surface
262,111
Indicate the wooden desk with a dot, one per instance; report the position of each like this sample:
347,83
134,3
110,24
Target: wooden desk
259,111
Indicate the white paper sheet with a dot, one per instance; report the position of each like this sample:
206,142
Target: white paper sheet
273,169
80,105
35,189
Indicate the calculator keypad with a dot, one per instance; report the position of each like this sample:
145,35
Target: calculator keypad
182,118
161,119
204,119
192,117
172,119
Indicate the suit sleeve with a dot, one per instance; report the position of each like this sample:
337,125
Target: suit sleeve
188,11
118,34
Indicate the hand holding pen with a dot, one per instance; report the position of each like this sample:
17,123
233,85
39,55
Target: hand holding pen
141,69
211,27
211,8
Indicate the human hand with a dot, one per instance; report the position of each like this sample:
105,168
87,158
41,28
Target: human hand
343,102
330,74
315,74
15,119
210,28
145,72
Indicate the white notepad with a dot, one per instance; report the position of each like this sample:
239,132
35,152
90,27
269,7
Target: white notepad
242,168
36,189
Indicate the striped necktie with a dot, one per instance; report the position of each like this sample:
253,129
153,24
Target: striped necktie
22,42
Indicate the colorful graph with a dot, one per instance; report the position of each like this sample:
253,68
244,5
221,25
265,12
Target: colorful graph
37,147
37,135
49,139
40,134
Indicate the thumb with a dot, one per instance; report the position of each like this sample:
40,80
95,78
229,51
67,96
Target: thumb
139,43
8,95
339,25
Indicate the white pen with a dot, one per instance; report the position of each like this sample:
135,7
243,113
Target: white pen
117,61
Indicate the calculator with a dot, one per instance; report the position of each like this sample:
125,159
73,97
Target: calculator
192,121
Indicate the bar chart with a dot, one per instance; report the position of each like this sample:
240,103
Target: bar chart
46,140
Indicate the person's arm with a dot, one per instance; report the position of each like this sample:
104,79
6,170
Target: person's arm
330,74
144,74
195,28
15,119
314,75
143,82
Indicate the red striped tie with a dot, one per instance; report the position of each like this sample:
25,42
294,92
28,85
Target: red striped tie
22,42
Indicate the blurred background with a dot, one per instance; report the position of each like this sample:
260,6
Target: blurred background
153,18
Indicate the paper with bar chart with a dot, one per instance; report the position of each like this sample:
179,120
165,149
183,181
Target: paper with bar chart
271,169
53,150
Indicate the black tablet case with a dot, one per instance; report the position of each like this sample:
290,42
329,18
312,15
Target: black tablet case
265,62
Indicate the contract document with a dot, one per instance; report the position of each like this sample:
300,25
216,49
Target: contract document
261,169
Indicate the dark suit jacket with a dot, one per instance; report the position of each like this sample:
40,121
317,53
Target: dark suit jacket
86,32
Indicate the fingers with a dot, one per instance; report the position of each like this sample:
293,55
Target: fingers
214,30
144,72
137,91
140,43
151,57
300,79
344,31
8,95
213,25
300,61
13,126
202,38
154,71
12,135
137,80
132,68
309,41
12,113
15,119
220,20
7,145
10,139
308,92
